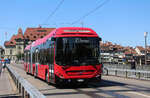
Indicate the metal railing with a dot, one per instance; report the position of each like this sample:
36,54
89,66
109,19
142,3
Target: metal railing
25,88
128,73
128,66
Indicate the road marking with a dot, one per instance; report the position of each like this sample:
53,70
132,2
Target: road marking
139,94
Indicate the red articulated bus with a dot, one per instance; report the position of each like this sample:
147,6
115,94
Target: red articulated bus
67,54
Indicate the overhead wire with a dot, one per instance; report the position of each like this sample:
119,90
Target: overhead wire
53,12
90,12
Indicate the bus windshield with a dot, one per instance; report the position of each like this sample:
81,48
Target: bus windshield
77,51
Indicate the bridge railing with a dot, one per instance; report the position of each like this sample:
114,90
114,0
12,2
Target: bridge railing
128,73
25,88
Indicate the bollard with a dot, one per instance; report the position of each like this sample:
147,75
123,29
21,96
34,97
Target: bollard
115,72
126,74
139,75
23,92
26,95
107,71
19,88
16,83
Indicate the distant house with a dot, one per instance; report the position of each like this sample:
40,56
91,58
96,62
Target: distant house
112,53
140,50
130,54
15,46
106,53
141,55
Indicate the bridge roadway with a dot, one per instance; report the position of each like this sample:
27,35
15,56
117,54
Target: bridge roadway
109,87
7,86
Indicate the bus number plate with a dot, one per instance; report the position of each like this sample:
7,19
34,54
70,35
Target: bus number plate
80,80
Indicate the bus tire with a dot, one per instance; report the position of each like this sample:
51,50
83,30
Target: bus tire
99,78
58,83
46,77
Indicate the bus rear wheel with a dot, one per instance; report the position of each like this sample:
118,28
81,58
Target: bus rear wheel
47,78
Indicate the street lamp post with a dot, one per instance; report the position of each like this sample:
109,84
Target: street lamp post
145,35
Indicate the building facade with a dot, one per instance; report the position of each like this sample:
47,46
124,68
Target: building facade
14,48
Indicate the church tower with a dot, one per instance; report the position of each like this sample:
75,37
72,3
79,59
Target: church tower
19,43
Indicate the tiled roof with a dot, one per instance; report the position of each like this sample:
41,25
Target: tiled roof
130,51
36,33
20,34
12,41
140,48
30,34
110,46
115,47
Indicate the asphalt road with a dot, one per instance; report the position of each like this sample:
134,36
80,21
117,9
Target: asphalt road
109,87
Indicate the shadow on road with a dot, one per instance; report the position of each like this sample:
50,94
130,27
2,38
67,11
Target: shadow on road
10,96
103,83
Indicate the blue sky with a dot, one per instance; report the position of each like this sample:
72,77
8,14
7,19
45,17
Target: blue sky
119,21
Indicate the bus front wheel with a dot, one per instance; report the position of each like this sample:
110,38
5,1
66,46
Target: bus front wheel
59,82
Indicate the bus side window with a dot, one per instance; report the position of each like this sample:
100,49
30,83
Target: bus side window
37,56
47,52
33,57
40,55
52,53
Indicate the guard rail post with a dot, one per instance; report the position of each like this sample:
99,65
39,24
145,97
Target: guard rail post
23,92
126,74
115,72
139,75
107,71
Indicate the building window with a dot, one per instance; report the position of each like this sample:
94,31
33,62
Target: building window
28,37
34,36
19,47
41,36
11,52
41,30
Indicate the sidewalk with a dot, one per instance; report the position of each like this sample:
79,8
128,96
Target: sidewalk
7,86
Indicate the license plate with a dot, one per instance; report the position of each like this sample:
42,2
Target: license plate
80,80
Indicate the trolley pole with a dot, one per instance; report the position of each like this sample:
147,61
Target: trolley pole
145,35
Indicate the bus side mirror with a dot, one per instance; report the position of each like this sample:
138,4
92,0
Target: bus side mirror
53,39
100,39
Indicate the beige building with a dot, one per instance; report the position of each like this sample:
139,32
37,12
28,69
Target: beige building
14,48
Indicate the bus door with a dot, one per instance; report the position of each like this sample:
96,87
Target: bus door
28,63
36,62
51,65
31,59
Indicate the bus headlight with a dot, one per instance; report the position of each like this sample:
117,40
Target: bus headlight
61,76
97,75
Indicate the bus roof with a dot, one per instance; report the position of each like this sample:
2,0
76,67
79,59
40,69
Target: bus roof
28,47
75,32
67,32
